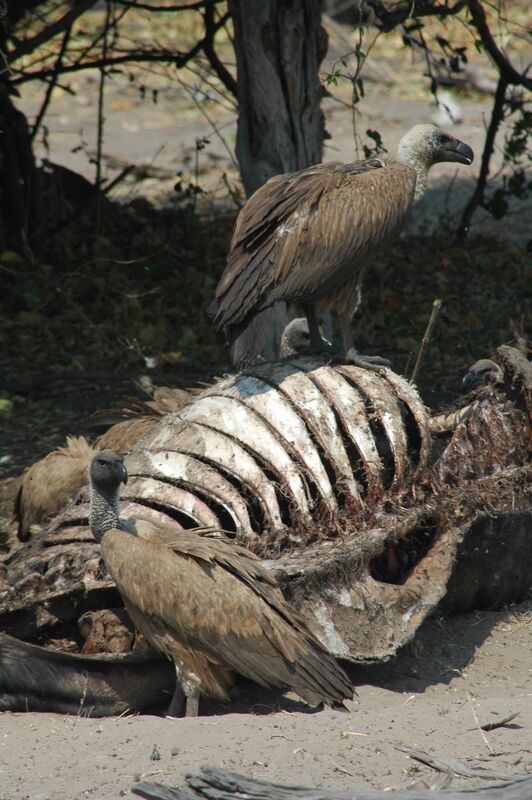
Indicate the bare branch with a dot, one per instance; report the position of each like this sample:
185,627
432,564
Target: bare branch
59,26
208,48
387,20
51,85
497,115
168,56
185,7
507,70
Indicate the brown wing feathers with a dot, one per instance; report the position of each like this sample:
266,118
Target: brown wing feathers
301,235
218,601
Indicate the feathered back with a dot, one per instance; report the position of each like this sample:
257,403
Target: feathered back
51,483
301,236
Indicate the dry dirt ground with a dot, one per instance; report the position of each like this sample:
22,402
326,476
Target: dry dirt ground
458,674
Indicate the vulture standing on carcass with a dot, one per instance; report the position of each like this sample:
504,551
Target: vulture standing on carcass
207,605
306,237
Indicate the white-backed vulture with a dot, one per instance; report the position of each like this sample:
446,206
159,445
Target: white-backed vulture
306,237
207,605
483,372
55,480
50,484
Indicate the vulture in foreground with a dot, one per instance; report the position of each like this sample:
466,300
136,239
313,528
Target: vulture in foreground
209,606
306,237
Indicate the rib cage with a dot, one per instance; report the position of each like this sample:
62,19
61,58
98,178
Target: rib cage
281,449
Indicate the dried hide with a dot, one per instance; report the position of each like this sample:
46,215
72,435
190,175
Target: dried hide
331,476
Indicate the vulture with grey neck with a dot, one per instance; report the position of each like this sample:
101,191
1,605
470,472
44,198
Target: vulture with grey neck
209,606
306,237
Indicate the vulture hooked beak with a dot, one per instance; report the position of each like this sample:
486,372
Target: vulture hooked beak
121,471
452,149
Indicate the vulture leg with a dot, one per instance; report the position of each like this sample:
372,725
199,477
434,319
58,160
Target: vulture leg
317,343
376,363
175,708
350,353
346,334
192,708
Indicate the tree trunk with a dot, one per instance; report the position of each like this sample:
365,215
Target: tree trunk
279,45
18,178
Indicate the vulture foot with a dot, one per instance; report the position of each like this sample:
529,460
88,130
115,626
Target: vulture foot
177,702
192,708
375,363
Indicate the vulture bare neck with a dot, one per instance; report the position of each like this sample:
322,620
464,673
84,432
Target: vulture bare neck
105,513
306,236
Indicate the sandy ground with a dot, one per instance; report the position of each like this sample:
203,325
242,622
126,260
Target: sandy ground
458,671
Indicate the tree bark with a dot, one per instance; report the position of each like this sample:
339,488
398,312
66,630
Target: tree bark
279,45
19,193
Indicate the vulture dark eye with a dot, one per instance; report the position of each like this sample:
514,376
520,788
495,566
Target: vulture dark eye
101,462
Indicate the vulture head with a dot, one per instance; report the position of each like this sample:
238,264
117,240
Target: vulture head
426,145
108,471
296,340
482,373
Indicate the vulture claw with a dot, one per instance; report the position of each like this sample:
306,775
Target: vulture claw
374,363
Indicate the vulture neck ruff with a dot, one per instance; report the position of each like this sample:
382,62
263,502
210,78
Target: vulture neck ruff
421,168
104,510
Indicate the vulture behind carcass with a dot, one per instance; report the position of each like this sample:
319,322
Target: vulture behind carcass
483,372
306,237
49,484
55,480
207,605
296,341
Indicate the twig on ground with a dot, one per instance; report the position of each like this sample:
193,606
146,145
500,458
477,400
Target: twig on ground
499,723
436,306
478,724
452,765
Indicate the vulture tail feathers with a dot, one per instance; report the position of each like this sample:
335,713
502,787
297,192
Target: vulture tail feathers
313,674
